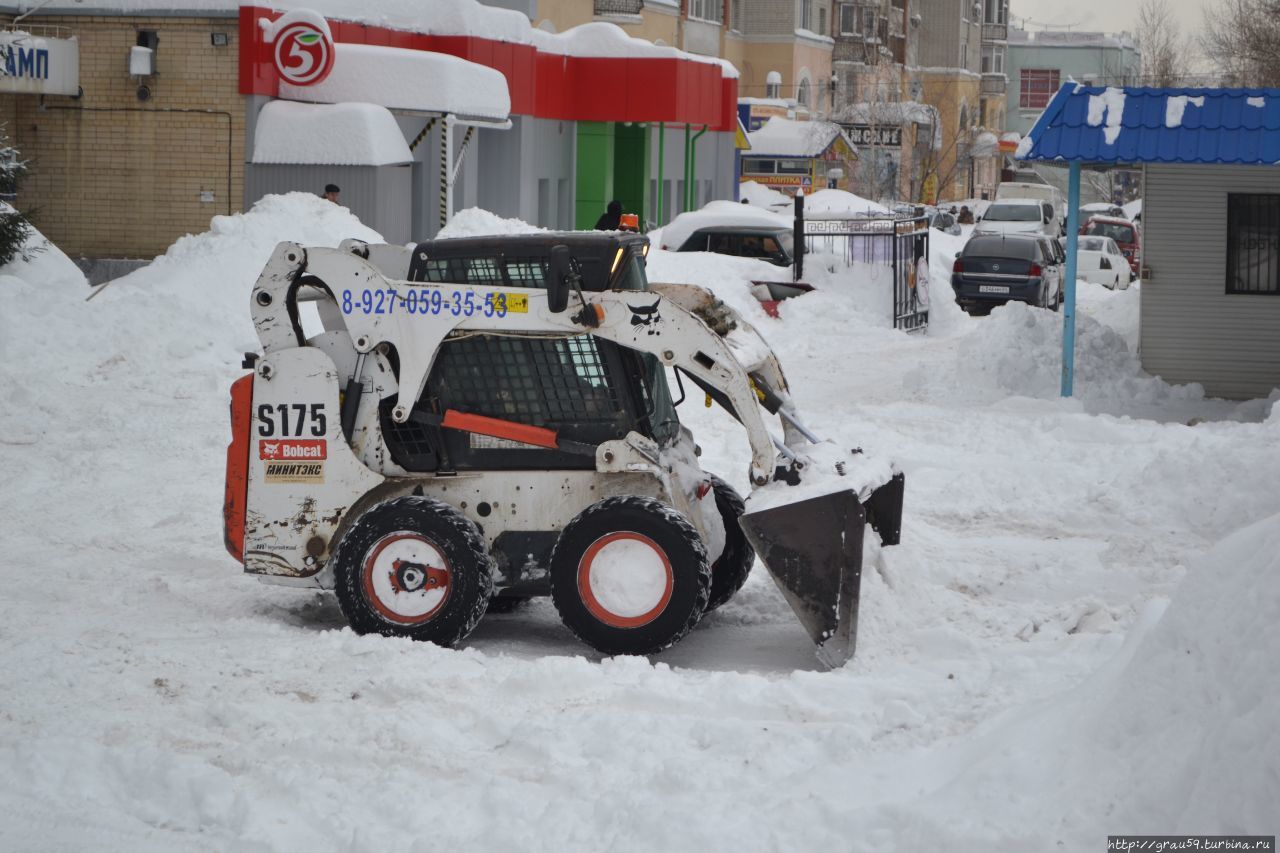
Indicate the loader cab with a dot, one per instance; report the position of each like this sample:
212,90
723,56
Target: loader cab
587,389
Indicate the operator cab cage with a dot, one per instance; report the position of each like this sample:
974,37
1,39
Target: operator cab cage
589,390
606,260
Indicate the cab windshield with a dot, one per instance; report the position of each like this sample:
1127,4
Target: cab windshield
632,275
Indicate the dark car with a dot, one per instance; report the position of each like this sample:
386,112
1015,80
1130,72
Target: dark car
994,269
746,241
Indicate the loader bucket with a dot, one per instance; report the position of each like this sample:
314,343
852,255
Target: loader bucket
813,550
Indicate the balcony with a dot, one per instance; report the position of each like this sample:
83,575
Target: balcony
619,7
990,32
994,85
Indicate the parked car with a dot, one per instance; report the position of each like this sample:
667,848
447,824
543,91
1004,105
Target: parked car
1101,208
993,269
732,229
1018,216
1122,231
1099,259
1040,192
946,223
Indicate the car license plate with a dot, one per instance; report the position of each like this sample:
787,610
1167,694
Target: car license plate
992,288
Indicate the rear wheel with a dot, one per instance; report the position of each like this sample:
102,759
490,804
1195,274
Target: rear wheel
629,575
413,567
729,572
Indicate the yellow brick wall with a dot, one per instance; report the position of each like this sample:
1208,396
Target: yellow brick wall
114,176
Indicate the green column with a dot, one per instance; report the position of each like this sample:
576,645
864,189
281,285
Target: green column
595,172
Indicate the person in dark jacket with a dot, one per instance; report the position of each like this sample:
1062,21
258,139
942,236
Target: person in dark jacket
611,218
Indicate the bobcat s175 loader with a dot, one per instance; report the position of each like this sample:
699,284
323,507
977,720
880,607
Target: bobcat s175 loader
483,420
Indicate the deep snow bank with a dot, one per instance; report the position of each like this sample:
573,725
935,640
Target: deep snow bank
42,263
1177,734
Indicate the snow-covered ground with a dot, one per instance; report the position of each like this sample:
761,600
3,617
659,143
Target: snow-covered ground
1075,637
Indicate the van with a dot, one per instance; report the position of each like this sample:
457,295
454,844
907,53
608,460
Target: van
1040,192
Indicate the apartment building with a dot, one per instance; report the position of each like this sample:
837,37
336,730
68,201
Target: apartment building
1039,62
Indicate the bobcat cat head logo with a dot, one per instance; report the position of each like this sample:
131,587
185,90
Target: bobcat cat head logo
647,316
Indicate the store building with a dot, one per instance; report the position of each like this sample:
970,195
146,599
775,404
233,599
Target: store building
159,120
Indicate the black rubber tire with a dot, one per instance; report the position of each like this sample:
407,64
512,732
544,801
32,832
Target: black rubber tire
455,536
682,548
730,571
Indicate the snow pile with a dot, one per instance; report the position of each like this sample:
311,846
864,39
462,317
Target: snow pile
1019,353
761,196
354,134
155,699
841,202
1177,734
475,222
41,264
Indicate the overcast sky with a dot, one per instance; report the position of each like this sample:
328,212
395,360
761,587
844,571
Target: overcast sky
1106,15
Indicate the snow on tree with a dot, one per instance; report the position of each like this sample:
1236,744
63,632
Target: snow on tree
14,228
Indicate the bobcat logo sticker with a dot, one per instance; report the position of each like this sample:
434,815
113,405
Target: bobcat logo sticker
646,316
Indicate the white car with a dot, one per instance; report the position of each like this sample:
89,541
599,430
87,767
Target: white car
1099,259
1018,216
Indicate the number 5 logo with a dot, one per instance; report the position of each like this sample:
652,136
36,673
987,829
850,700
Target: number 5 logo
303,47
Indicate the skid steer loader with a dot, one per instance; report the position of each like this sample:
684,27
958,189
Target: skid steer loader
476,421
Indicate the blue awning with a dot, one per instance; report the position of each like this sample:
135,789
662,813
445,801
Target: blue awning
1093,124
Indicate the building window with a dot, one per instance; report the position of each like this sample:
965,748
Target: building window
994,11
1037,87
735,14
706,10
848,19
806,14
773,85
803,93
822,21
992,59
869,23
1253,243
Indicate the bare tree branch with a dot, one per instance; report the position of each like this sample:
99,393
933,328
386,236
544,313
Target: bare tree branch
1243,38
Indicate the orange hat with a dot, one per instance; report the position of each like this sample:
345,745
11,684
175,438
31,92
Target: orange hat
629,222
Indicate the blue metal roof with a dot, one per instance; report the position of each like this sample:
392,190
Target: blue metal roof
1093,124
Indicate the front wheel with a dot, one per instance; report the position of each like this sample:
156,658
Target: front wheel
413,567
629,575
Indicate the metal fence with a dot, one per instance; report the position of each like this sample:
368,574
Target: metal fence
899,243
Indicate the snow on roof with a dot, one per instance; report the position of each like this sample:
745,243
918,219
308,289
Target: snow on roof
329,135
1176,106
719,214
1059,38
430,17
985,144
601,38
438,17
784,137
1147,125
409,80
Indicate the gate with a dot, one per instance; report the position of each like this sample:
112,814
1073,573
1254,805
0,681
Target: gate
897,242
